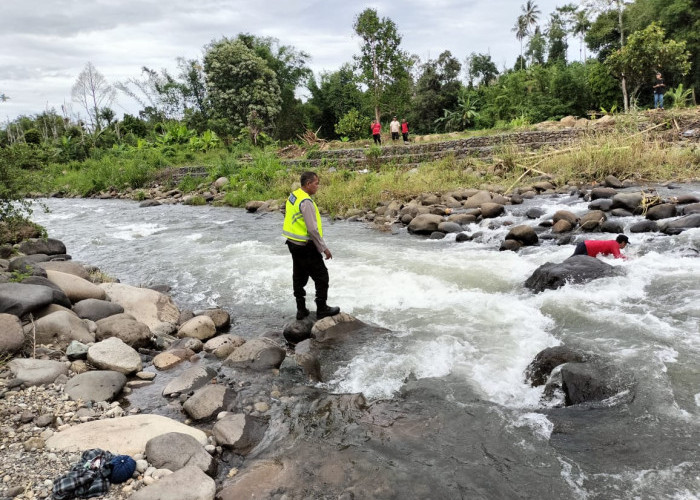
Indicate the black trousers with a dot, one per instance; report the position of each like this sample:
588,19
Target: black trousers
581,249
377,138
308,263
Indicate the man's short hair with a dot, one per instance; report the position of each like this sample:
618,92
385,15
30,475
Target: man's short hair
621,238
307,177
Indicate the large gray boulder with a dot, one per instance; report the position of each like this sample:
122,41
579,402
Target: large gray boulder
681,224
59,297
190,380
68,267
592,382
662,211
60,328
124,327
592,220
175,450
424,224
199,327
490,210
75,288
188,483
156,310
101,385
114,354
257,354
627,201
548,359
29,264
239,431
298,330
575,269
477,199
20,299
11,334
206,402
48,246
95,310
37,371
524,234
221,318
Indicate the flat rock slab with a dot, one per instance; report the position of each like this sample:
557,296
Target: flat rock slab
75,288
20,299
101,385
37,371
152,308
114,354
176,450
190,380
188,483
124,436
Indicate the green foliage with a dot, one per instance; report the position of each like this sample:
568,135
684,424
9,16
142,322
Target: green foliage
259,179
32,136
196,200
242,87
18,276
189,184
437,89
352,125
13,183
680,97
464,115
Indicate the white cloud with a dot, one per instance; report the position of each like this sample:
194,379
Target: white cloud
46,43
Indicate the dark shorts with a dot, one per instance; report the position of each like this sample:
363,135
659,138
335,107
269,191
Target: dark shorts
581,249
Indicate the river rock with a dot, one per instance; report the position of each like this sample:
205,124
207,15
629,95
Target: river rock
60,328
11,334
644,226
188,483
603,193
176,450
601,204
524,234
48,246
154,309
99,385
681,224
149,203
334,327
534,213
691,209
76,288
562,226
566,215
449,227
124,327
510,245
592,220
199,327
612,227
29,264
190,380
223,345
123,435
436,235
575,269
239,432
114,354
67,267
462,219
19,299
424,224
221,318
627,201
306,357
37,371
298,330
257,354
95,310
207,401
591,382
662,211
192,344
548,359
59,297
172,357
490,210
613,182
76,350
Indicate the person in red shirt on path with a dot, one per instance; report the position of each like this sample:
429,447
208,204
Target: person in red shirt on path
605,247
404,130
376,131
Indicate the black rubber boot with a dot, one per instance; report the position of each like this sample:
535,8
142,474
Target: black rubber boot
323,310
302,311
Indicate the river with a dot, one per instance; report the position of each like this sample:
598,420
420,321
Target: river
456,312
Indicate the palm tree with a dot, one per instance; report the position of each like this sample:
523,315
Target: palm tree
530,14
581,26
520,30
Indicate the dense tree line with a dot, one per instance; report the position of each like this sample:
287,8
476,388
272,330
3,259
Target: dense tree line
247,87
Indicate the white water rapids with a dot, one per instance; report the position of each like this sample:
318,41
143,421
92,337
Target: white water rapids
452,308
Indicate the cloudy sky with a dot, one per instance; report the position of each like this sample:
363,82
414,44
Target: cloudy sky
46,43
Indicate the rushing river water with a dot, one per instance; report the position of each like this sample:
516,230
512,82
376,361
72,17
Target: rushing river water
457,311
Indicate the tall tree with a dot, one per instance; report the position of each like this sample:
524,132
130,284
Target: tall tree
332,97
556,35
530,13
381,62
243,90
481,67
520,30
92,92
437,88
581,25
647,52
536,47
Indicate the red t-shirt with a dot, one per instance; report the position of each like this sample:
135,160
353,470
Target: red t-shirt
606,247
404,128
376,128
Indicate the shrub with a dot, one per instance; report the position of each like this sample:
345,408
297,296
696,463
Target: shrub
352,126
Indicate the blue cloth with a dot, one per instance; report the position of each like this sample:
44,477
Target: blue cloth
658,100
123,467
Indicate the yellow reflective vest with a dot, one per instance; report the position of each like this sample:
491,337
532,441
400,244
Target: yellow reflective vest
294,224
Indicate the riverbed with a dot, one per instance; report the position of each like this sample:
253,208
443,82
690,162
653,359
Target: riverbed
458,317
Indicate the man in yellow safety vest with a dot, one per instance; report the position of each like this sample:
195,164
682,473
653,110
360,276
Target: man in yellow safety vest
304,232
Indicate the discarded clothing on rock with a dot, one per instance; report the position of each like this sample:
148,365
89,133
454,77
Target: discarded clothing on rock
88,478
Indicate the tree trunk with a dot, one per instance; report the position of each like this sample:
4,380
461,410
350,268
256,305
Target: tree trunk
625,98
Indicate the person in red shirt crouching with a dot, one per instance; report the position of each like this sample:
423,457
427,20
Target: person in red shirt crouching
605,247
